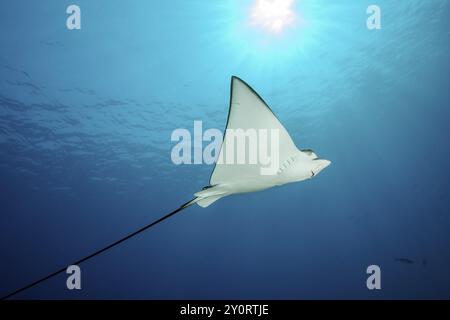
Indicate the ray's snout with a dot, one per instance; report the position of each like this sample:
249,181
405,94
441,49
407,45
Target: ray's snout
320,165
326,163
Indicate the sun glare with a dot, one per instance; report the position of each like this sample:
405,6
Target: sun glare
272,16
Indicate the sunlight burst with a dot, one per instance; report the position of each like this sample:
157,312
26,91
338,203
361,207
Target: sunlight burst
272,15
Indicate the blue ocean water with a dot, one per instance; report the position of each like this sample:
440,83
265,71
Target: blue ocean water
85,123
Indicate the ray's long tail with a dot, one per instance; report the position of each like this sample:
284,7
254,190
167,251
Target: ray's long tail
96,253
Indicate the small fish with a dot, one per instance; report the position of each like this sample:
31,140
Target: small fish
404,260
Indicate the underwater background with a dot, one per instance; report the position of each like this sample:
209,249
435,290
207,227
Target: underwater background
85,123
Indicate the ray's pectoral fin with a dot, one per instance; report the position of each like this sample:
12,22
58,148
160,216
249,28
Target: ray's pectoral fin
205,202
209,195
249,113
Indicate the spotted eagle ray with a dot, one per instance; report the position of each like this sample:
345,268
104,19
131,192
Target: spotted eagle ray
247,110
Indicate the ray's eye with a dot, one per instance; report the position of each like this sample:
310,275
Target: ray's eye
312,174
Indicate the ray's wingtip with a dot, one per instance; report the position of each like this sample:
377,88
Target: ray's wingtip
233,77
